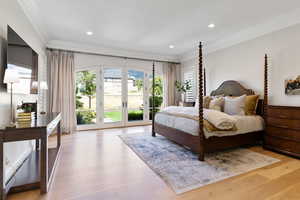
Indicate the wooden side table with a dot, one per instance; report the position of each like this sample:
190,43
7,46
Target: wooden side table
186,104
37,170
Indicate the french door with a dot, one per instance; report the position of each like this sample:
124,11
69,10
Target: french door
111,97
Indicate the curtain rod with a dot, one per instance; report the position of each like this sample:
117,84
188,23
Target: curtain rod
113,56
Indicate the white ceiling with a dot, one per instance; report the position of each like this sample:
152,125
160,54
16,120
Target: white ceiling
151,25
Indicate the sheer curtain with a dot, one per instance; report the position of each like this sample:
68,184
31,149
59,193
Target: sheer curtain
171,73
62,87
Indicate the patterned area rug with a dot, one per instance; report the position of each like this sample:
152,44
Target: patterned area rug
181,169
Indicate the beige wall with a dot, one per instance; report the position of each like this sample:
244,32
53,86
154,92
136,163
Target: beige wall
244,63
12,14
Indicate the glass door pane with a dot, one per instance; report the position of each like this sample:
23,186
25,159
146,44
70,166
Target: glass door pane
135,88
86,98
112,88
158,93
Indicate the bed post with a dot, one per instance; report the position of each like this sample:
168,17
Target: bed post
200,99
153,98
204,81
265,88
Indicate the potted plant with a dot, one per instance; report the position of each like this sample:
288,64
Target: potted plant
183,88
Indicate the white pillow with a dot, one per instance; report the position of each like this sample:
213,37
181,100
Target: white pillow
235,105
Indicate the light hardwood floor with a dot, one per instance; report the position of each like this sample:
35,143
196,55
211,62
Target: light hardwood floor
98,165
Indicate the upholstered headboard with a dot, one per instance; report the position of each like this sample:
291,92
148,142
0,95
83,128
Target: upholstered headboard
231,88
234,88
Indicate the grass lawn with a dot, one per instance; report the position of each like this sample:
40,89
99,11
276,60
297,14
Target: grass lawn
117,115
114,115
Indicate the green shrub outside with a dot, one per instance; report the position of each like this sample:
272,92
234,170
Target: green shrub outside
157,101
135,115
85,117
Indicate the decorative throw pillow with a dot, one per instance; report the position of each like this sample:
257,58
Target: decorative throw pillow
235,105
251,104
217,103
206,101
217,96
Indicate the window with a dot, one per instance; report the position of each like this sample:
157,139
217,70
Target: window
86,87
189,76
158,93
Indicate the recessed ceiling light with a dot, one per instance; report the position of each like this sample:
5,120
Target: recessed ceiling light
89,33
211,26
171,46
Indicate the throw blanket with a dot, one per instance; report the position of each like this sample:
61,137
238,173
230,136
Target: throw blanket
213,120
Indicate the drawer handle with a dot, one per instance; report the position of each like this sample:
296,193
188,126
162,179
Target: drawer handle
282,116
282,126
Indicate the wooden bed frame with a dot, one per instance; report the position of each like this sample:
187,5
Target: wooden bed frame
201,145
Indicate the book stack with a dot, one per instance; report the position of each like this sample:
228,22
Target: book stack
25,119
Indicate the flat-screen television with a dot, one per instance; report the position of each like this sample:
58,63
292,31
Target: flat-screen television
22,58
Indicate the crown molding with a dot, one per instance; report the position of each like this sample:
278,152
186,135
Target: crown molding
31,11
278,23
71,46
273,25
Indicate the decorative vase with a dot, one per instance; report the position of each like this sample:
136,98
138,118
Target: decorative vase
183,97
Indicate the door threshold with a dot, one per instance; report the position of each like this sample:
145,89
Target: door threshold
115,127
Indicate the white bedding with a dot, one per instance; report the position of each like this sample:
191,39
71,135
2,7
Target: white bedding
244,124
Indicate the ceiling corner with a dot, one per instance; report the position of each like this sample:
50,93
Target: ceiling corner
267,27
30,10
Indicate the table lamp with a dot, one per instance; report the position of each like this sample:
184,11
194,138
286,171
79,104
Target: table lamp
34,85
10,77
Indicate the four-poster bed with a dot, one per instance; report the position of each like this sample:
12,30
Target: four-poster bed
200,143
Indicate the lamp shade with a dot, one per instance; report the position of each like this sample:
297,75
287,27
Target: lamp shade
11,76
43,85
34,85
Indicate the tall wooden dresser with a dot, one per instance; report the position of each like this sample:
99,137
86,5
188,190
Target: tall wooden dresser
283,130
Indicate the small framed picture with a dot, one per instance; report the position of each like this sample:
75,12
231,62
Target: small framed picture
292,86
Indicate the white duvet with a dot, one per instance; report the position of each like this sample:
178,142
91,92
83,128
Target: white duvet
219,119
244,124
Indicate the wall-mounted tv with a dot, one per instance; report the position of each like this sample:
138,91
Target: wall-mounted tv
22,58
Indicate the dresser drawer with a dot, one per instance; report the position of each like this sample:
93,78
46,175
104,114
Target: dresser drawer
284,112
283,145
283,133
284,123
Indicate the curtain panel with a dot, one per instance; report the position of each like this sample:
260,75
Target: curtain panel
171,73
62,87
